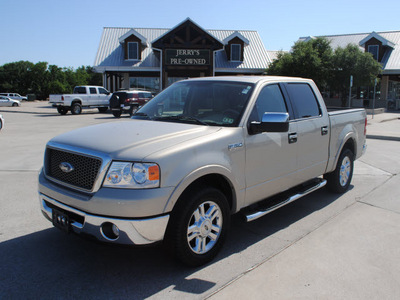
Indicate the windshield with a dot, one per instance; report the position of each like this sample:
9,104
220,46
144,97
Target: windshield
218,103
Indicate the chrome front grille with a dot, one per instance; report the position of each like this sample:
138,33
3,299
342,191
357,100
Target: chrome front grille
83,174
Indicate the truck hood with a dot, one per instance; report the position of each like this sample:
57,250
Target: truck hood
133,139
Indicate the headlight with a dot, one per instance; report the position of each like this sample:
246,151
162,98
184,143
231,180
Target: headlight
133,175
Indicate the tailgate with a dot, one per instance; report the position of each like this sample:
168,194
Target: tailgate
55,98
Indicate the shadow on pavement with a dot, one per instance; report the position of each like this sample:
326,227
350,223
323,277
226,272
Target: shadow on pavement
52,265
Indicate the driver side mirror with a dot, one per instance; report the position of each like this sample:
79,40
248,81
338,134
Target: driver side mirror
271,122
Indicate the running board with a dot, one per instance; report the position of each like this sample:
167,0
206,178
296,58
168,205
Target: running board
319,183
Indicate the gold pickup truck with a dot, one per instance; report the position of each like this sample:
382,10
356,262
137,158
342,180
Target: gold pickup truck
200,151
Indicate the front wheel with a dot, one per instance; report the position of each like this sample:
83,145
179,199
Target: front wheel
199,225
339,180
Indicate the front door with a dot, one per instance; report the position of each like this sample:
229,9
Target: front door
271,160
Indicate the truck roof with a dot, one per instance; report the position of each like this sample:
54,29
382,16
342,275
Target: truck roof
249,79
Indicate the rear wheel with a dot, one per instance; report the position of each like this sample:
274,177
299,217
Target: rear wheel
76,109
62,110
339,180
198,226
116,113
133,110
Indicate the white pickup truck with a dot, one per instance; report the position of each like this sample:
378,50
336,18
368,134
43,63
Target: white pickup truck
197,153
82,96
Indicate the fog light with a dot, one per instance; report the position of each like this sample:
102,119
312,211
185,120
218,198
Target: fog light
110,231
115,230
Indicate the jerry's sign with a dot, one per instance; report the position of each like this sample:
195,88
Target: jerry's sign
187,57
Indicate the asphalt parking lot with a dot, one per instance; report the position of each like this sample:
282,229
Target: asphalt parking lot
323,246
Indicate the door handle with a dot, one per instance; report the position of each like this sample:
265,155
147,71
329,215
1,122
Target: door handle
324,130
292,138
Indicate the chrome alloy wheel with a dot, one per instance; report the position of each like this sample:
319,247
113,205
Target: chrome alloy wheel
345,170
204,227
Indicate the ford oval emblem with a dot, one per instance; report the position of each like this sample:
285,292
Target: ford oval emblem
66,167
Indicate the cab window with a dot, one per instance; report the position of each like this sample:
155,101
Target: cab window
270,99
303,100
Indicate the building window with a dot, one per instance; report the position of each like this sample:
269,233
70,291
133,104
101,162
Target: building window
133,50
151,84
374,50
235,52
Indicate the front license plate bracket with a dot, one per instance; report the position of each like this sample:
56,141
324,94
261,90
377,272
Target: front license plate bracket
61,221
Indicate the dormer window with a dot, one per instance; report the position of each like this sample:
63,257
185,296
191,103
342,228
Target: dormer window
133,50
374,50
235,52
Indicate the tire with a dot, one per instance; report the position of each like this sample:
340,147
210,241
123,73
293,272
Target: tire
198,226
339,180
62,110
117,113
1,125
15,104
76,109
133,110
103,109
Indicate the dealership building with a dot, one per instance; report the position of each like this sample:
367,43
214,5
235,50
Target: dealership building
152,59
385,48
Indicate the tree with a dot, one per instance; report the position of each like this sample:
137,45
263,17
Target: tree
40,79
329,69
351,61
311,59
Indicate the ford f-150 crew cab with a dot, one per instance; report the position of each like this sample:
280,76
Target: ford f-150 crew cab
200,151
82,96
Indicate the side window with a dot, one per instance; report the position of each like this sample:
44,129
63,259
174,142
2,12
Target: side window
103,91
79,90
303,100
93,90
270,99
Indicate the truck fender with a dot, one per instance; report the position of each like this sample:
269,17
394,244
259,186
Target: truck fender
76,100
237,193
350,136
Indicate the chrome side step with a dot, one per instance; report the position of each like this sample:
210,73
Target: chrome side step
309,189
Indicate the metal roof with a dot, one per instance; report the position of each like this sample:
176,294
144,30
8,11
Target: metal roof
391,59
110,55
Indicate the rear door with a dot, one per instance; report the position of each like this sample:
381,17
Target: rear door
4,101
312,130
93,96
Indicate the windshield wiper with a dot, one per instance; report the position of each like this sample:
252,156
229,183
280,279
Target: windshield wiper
142,114
183,118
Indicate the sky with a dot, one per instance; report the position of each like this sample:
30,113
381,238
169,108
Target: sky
67,33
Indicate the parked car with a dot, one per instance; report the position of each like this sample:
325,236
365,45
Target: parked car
7,101
1,122
200,151
14,96
82,97
128,101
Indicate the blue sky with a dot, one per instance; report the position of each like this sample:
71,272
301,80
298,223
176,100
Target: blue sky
67,33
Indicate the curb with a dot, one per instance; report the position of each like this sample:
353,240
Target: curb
381,137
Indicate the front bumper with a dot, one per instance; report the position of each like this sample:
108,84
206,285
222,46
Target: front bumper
131,231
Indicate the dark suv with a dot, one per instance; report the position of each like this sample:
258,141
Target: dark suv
128,101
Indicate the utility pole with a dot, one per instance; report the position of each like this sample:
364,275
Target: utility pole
351,85
373,101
